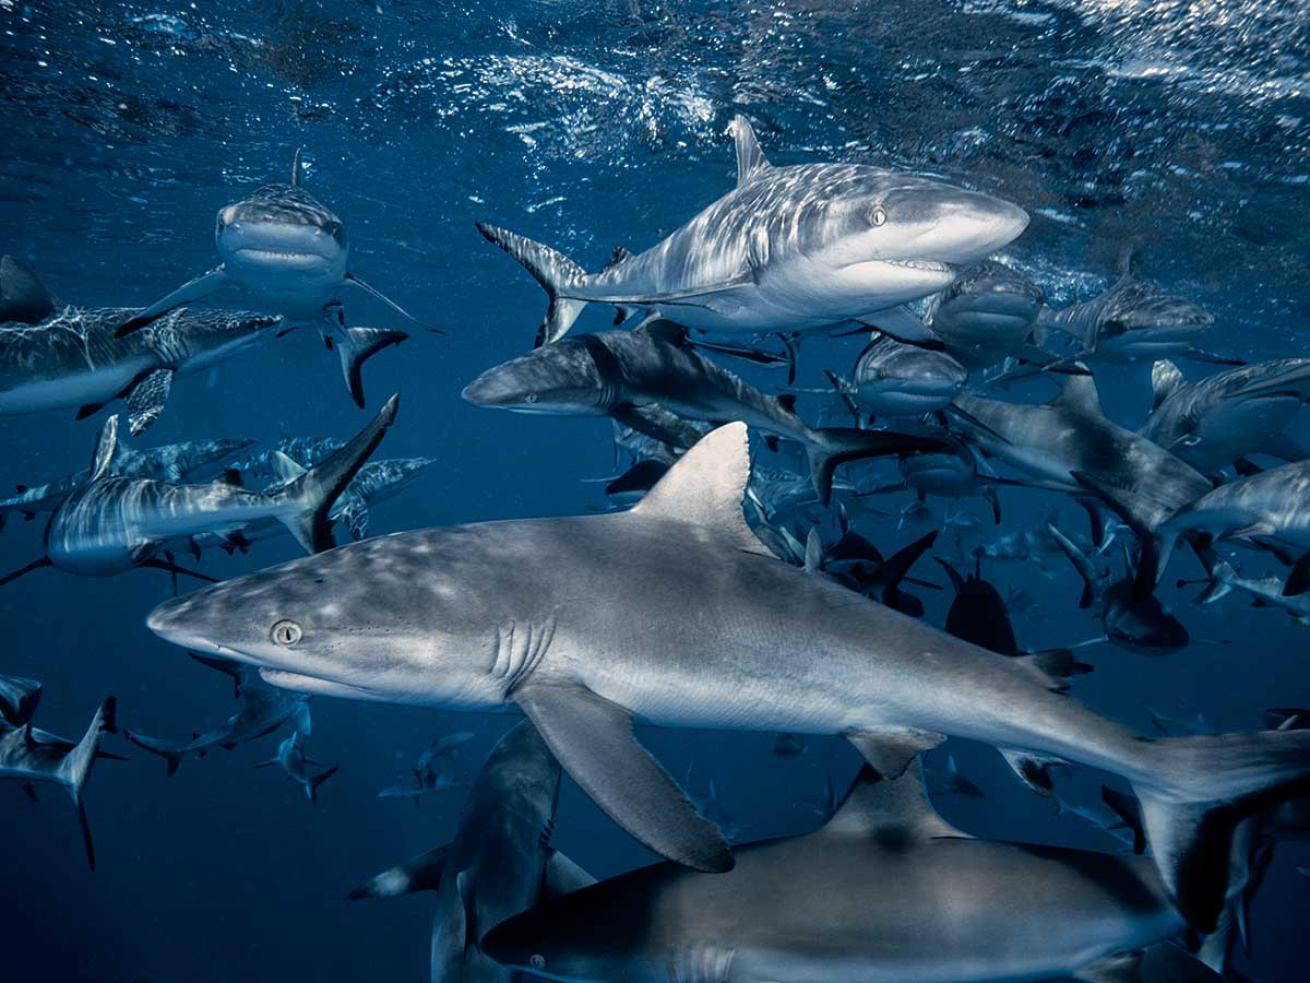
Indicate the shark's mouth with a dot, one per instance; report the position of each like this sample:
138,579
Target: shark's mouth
296,682
925,265
285,256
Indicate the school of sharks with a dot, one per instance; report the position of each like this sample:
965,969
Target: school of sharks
748,571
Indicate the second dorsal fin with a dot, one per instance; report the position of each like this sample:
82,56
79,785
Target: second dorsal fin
1080,395
880,806
751,162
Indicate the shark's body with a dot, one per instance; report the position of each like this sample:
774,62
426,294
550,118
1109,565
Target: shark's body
986,315
1267,591
499,864
111,523
794,248
172,462
625,373
33,757
884,891
1211,422
892,378
19,697
295,763
287,248
73,359
675,613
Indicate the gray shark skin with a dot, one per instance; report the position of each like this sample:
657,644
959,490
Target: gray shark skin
23,297
499,863
111,524
676,614
1133,321
294,762
262,710
988,313
621,373
796,248
1212,422
885,890
19,697
33,757
1139,623
72,359
892,378
172,462
1070,445
288,249
1267,591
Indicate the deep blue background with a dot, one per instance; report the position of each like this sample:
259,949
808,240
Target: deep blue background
586,125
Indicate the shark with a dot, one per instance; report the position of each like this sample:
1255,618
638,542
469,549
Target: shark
1223,578
33,757
790,249
987,315
171,462
892,378
263,709
71,359
1211,422
282,245
621,373
19,697
23,297
112,523
499,864
884,890
675,614
292,758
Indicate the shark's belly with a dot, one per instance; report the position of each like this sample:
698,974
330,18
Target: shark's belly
32,393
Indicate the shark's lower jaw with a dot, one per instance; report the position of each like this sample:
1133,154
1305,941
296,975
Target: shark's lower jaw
313,685
291,258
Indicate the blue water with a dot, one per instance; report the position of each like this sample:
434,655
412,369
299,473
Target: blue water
1180,128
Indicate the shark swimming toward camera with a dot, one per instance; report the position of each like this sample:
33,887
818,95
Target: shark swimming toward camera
884,890
621,373
292,758
72,359
987,315
1211,422
499,864
674,613
288,249
111,523
892,378
172,462
800,248
32,757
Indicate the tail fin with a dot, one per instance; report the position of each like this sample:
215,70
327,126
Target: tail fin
76,767
307,500
552,269
1221,574
356,346
311,790
1197,792
832,446
1080,562
170,752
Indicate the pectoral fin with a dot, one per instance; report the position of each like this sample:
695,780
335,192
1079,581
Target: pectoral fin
146,398
593,740
563,876
188,293
377,294
903,325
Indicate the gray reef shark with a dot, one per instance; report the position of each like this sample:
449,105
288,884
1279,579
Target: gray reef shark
800,248
499,864
675,614
294,762
19,697
111,524
987,315
892,378
621,373
1266,591
1212,422
263,709
285,247
32,757
884,890
72,359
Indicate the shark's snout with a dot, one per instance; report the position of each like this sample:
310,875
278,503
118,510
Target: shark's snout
181,621
972,226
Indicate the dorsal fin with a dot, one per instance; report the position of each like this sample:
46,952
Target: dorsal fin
1165,380
284,467
1124,266
751,162
1079,395
23,297
106,445
297,169
899,806
705,488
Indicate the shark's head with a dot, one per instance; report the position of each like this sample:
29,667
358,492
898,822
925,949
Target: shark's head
380,479
281,229
1142,624
563,378
990,305
895,378
1142,322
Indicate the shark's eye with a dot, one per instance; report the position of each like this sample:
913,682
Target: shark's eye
878,215
530,398
286,632
538,961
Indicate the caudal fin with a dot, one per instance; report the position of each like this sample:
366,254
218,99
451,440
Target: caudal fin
76,768
311,790
832,446
170,752
1197,792
304,504
356,346
552,269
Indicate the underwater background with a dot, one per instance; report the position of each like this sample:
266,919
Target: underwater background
1181,128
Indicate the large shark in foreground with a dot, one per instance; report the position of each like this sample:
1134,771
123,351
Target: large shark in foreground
883,891
290,250
676,614
797,248
499,864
